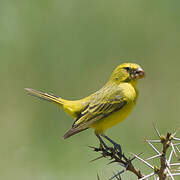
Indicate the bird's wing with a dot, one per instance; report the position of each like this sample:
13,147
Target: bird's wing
101,105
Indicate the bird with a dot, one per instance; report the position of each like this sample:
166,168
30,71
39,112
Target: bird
105,108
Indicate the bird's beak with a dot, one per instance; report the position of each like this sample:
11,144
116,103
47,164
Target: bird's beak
139,74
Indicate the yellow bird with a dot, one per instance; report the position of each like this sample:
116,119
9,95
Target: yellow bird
105,108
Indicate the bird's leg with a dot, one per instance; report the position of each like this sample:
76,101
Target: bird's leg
102,143
116,146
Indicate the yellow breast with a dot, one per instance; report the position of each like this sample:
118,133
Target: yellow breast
113,119
117,117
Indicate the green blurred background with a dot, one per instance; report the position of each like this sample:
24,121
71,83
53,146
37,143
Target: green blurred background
70,47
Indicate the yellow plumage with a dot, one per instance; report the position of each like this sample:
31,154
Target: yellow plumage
105,108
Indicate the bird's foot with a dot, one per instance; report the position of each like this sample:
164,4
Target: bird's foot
102,146
117,147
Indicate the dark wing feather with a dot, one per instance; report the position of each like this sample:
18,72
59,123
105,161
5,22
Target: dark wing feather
98,112
101,105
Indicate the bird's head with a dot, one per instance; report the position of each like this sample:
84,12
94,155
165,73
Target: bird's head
127,72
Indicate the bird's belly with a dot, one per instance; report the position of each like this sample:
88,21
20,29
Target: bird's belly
113,119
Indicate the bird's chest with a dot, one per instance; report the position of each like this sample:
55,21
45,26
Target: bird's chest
119,116
113,119
116,117
130,93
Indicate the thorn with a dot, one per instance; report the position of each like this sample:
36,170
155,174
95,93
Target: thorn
118,174
111,162
176,170
95,148
97,158
153,148
154,141
175,174
176,144
92,147
167,169
135,157
158,155
176,131
156,130
176,139
175,164
178,149
170,156
145,162
173,148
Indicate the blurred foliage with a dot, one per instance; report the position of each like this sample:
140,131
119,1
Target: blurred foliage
70,47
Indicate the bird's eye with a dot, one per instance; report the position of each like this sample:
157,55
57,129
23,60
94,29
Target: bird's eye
127,68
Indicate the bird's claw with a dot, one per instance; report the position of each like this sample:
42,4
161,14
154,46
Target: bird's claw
117,148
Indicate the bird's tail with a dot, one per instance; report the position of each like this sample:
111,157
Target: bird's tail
49,97
73,131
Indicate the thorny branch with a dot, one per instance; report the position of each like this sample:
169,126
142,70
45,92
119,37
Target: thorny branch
116,156
163,171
